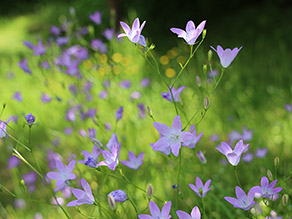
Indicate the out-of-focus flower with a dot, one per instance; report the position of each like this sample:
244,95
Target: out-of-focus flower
200,189
19,203
62,41
214,137
28,44
103,94
141,108
45,65
156,213
30,180
91,159
248,157
3,126
134,162
45,98
111,158
39,49
191,34
108,126
30,119
17,96
98,45
108,33
119,113
242,200
191,143
23,65
195,214
288,107
91,113
226,56
118,195
145,82
13,161
175,93
96,17
267,190
55,30
125,84
52,157
261,152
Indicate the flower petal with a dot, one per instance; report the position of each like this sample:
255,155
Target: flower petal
176,123
154,210
162,128
165,210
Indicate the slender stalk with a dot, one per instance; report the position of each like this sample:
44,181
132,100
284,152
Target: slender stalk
178,176
134,206
7,190
236,176
204,207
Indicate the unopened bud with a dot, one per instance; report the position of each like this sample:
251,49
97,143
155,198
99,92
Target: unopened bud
210,53
206,103
152,46
22,182
270,175
198,81
276,162
150,191
149,111
4,105
205,69
285,199
204,33
202,157
111,202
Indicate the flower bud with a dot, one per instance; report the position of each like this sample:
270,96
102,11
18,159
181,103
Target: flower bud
204,33
111,202
284,200
118,195
205,69
210,53
149,111
270,175
149,191
276,162
198,81
202,157
206,103
30,119
119,113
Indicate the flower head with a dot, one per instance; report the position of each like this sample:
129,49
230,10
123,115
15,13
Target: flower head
111,157
118,195
134,162
233,156
39,49
134,34
83,196
175,93
243,201
23,65
191,34
226,56
267,190
91,159
30,119
96,17
156,213
200,189
191,143
195,214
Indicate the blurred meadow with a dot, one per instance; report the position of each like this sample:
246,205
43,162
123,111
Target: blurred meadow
255,95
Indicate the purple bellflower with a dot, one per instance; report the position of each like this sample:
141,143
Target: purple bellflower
119,113
30,119
55,30
248,157
96,17
145,82
134,34
3,126
200,189
30,180
91,159
28,44
172,138
226,56
288,107
98,45
134,162
195,214
39,49
111,158
108,33
191,34
191,143
156,213
176,93
62,41
23,65
119,195
113,141
233,156
64,174
242,200
83,196
267,190
261,152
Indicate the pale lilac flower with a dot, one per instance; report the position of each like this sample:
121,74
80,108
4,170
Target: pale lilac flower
91,159
62,41
234,136
108,33
17,96
73,89
39,49
195,214
134,162
248,157
45,98
273,216
214,137
108,126
191,143
23,65
3,126
55,30
118,195
98,45
113,141
134,34
125,84
242,200
233,156
19,203
96,17
175,93
135,95
70,114
261,152
13,161
145,82
45,65
288,107
226,56
52,157
82,133
28,44
92,134
156,213
30,180
171,138
103,94
63,175
267,190
200,189
111,158
83,196
59,199
246,135
202,157
191,34
119,113
91,113
30,119
68,130
106,83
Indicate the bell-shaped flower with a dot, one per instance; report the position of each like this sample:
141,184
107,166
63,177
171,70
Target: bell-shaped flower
134,34
242,200
134,162
233,156
83,196
200,189
191,34
91,159
226,56
118,195
96,17
111,158
156,213
171,138
3,126
195,214
191,143
175,93
267,190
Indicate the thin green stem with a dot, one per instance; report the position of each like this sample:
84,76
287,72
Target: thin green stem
204,208
236,176
134,206
178,176
7,190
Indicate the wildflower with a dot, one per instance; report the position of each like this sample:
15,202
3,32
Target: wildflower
45,65
96,17
113,141
118,195
108,33
242,200
191,34
226,56
267,190
119,113
248,157
45,98
261,152
191,143
134,34
200,189
246,135
141,109
17,96
233,156
134,162
195,214
171,138
288,107
135,95
13,161
55,30
29,119
63,175
83,196
3,126
98,45
145,82
156,213
175,93
202,157
39,49
91,113
30,180
103,94
125,84
91,159
111,158
28,44
23,65
62,41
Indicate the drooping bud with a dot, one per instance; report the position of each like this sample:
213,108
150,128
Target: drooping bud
284,200
206,103
111,202
210,53
204,33
149,191
198,81
270,175
276,162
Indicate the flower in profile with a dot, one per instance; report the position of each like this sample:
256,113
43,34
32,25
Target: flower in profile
175,93
30,119
246,134
141,109
111,158
200,189
195,214
96,17
134,34
91,159
63,175
23,65
191,143
267,190
133,162
242,200
261,152
119,113
28,44
118,195
226,56
3,126
171,138
83,196
233,156
145,82
156,213
191,34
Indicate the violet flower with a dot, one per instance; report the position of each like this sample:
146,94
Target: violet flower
191,143
200,189
288,107
175,93
55,30
134,34
118,195
62,41
156,213
108,33
13,161
191,34
96,17
3,126
30,119
226,56
195,214
103,94
125,84
28,44
242,200
39,49
113,141
171,138
145,82
30,180
141,109
267,190
134,162
23,65
201,157
261,152
91,159
17,96
119,113
233,156
83,196
248,157
111,158
98,45
45,98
